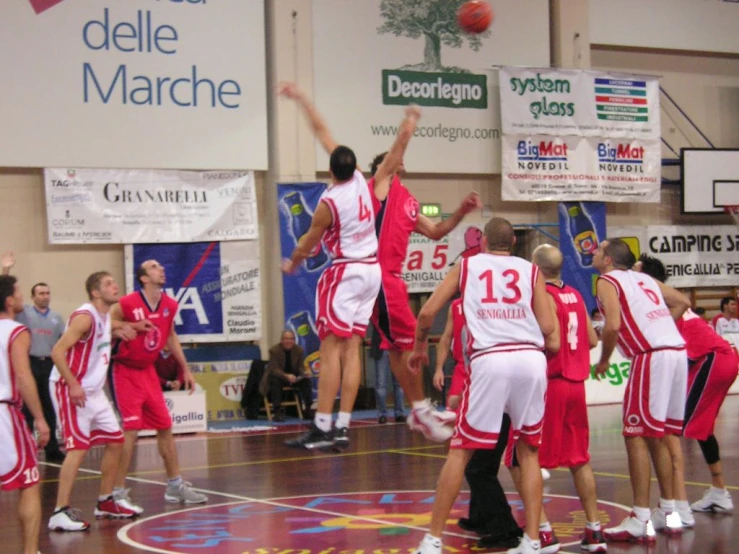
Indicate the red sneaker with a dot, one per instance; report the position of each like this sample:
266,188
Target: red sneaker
109,508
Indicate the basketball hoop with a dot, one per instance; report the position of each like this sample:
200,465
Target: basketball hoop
733,211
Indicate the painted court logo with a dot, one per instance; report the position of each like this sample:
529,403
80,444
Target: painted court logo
621,100
549,155
430,83
620,157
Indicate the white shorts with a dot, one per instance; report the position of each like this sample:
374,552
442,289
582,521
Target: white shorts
345,298
654,400
82,428
18,466
502,382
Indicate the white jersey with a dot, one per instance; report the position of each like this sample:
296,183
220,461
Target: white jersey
646,321
497,299
9,330
352,233
89,357
729,330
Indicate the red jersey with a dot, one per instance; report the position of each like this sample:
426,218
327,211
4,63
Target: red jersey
458,346
700,339
396,219
144,350
573,359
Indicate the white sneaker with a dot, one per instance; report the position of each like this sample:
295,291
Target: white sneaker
631,529
424,420
669,523
429,545
714,500
545,474
125,502
526,546
184,493
67,519
686,517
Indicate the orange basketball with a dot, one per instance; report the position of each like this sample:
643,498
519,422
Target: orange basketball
475,16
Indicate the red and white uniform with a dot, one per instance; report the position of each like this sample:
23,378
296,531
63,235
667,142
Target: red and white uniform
88,359
347,290
136,387
507,372
728,329
713,366
397,217
566,435
18,466
458,349
654,400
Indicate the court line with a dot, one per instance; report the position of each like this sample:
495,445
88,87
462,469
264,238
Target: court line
122,534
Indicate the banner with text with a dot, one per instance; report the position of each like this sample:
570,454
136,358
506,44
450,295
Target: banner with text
579,135
395,52
540,167
297,203
582,227
426,263
116,206
217,285
111,83
694,255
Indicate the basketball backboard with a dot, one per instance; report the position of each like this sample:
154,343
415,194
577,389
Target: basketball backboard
710,179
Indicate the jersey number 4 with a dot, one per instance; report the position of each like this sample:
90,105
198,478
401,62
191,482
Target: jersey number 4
512,285
364,212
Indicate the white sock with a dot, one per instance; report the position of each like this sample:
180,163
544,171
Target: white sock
323,422
718,491
642,514
546,526
118,491
534,543
343,419
435,541
103,497
175,481
668,506
682,505
420,405
593,525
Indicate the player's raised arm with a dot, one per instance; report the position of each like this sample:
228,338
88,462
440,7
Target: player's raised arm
312,115
437,231
19,351
322,220
77,329
394,156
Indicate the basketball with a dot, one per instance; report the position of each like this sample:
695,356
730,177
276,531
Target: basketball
475,16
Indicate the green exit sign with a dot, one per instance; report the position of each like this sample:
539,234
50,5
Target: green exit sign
431,210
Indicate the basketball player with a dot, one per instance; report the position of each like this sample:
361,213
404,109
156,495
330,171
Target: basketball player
507,313
712,369
726,323
397,217
566,435
136,389
640,316
346,292
18,466
81,358
489,513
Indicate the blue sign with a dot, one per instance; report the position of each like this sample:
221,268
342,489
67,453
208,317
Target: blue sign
193,278
582,227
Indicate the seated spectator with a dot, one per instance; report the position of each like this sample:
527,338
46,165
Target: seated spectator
169,371
598,321
286,367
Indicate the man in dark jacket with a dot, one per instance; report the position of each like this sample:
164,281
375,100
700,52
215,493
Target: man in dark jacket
286,367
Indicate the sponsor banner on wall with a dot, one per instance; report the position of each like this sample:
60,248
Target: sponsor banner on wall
135,83
223,392
582,227
581,103
188,412
694,255
296,205
116,206
392,53
217,286
541,167
426,263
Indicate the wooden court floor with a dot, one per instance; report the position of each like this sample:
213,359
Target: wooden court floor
373,499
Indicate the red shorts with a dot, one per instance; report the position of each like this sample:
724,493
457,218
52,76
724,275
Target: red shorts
565,436
458,378
18,466
345,297
139,398
502,382
95,423
654,400
709,380
392,315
